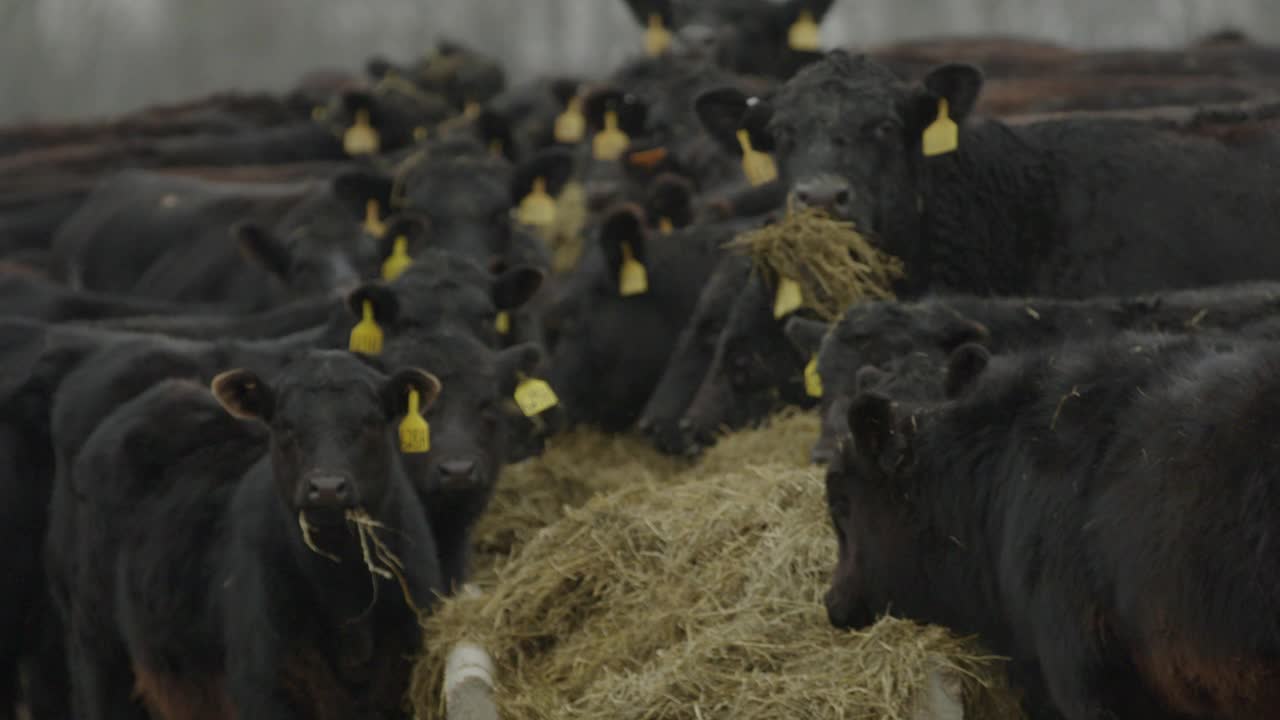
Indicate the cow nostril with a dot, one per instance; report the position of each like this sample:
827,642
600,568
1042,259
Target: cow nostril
458,469
340,490
803,197
842,197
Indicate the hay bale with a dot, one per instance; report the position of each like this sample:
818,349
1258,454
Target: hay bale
834,265
687,592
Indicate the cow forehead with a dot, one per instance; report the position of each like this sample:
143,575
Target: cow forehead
835,99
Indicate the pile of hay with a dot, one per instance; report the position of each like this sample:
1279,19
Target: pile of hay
684,592
832,262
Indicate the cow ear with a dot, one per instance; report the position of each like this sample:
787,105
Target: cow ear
517,360
413,227
621,234
385,304
554,165
395,391
262,247
869,377
516,286
959,84
642,9
670,196
960,330
871,424
243,395
494,129
721,112
790,10
806,335
964,367
357,188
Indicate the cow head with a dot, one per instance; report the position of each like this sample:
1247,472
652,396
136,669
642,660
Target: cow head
332,420
847,134
747,36
876,342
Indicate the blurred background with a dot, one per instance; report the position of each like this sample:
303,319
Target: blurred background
78,58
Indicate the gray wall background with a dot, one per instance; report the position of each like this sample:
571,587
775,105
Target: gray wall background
77,58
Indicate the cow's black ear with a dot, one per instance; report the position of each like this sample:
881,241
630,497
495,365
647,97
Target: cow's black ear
959,330
243,395
722,112
965,365
413,227
806,335
395,392
494,130
516,286
871,423
385,304
869,377
642,9
958,83
791,10
554,165
262,247
523,359
622,237
356,188
672,197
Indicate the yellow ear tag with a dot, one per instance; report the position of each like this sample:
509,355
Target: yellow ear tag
788,300
665,226
319,113
502,323
537,208
471,110
610,143
420,133
399,259
571,126
758,166
657,38
366,336
534,397
633,279
804,35
812,380
415,434
361,138
943,136
372,220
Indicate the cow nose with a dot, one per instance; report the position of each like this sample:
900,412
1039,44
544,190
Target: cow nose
458,471
832,194
328,491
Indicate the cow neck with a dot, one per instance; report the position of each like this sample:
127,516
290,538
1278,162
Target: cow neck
986,214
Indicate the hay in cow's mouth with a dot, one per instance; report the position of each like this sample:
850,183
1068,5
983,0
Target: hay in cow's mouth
683,591
378,558
834,264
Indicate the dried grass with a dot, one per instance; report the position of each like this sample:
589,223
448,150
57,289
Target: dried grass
834,265
641,587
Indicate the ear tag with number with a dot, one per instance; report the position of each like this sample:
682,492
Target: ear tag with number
534,396
571,125
804,35
502,323
361,138
611,142
399,259
366,336
537,208
657,38
372,219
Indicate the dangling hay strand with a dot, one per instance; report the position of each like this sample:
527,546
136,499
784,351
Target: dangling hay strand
832,262
685,593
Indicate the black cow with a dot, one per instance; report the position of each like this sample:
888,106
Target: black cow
472,426
608,350
747,36
884,335
1067,207
187,240
1094,512
692,358
280,616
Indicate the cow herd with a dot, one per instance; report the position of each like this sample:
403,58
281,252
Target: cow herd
263,357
